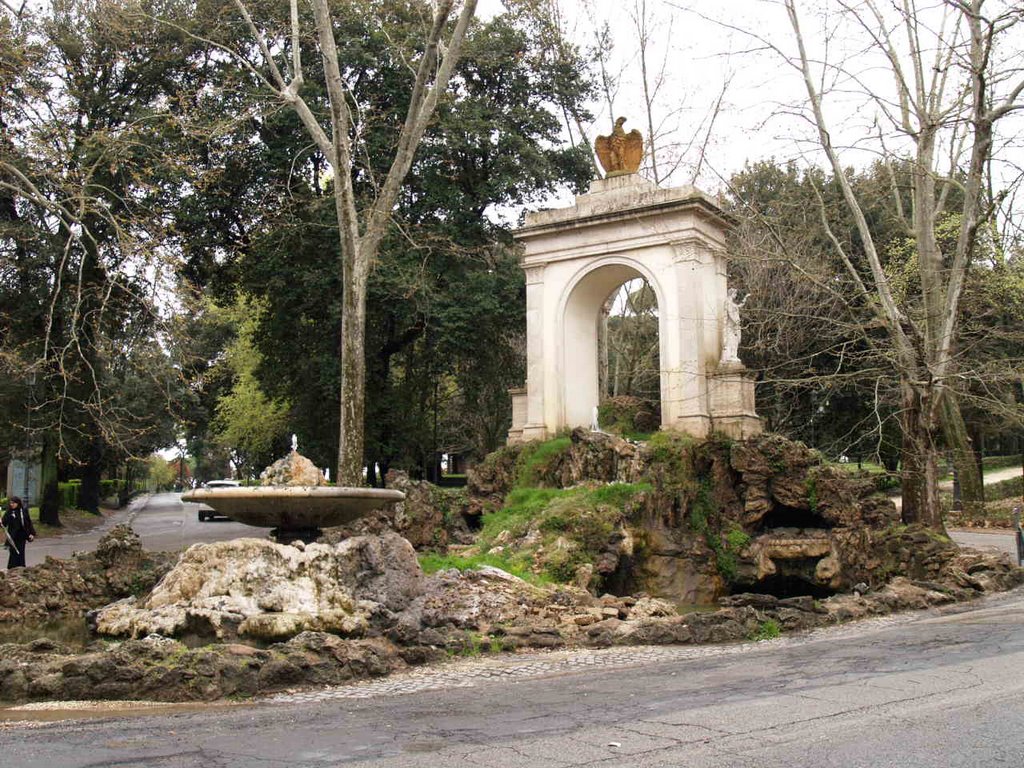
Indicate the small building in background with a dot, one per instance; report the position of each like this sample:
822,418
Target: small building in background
23,480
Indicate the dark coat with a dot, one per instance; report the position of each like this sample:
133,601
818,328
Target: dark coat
19,527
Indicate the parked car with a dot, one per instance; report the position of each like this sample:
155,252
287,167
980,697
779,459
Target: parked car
208,513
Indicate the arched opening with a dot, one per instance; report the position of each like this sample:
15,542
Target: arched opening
629,359
612,347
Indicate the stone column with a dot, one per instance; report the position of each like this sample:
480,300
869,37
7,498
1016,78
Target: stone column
534,428
519,399
687,402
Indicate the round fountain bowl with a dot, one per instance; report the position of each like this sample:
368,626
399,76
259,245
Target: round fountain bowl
294,507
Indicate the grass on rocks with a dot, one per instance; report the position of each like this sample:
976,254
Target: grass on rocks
536,458
431,562
543,535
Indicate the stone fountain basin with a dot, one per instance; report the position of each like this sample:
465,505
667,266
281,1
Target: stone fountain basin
296,506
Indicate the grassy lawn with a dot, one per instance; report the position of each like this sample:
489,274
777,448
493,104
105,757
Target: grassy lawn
72,521
1000,462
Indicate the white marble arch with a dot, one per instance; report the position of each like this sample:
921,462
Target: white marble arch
579,308
575,257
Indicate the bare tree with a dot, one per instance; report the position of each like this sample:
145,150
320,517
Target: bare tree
360,230
80,238
949,88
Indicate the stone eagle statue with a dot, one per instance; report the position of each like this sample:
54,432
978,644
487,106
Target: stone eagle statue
622,152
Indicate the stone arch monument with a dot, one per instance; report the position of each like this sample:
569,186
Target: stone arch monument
574,258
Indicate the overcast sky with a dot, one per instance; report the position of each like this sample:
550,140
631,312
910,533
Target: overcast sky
708,50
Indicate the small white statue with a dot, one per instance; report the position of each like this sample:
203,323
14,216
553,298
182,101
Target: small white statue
732,331
594,425
295,443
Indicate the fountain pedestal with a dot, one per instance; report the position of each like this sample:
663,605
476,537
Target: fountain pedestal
295,510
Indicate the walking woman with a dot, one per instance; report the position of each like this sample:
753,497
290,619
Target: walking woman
20,531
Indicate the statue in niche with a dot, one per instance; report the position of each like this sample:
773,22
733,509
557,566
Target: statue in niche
620,153
732,331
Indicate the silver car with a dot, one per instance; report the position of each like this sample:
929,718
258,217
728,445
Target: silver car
208,513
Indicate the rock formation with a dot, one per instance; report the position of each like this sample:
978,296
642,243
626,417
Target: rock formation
253,588
629,533
430,517
763,515
412,619
293,469
119,567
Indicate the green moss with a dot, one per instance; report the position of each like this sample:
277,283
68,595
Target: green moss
561,564
727,563
811,486
671,458
737,540
727,552
522,507
667,446
538,459
702,508
619,494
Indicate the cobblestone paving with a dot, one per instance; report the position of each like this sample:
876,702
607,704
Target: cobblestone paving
468,673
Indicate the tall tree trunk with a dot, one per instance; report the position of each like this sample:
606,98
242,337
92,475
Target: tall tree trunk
49,492
89,493
125,491
972,490
353,370
920,456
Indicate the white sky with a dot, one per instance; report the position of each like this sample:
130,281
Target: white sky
702,45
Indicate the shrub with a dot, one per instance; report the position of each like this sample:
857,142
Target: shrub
1001,462
768,629
68,494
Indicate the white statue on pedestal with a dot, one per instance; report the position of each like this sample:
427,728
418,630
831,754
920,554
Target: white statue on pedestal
731,332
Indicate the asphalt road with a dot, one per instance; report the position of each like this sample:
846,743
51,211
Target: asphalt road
163,522
938,690
986,539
